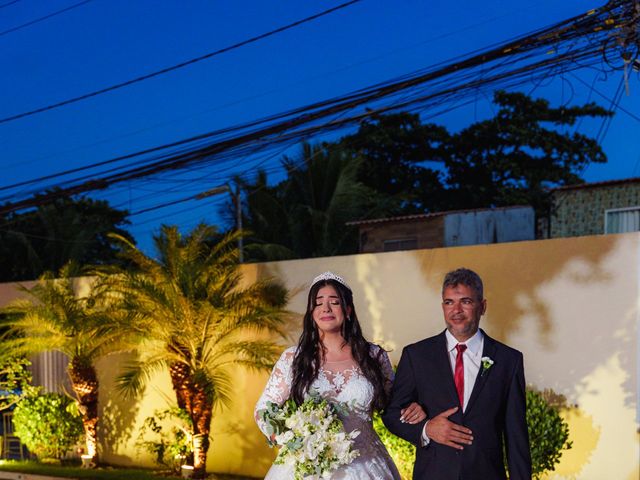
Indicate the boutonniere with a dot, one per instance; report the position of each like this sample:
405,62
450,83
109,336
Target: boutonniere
486,364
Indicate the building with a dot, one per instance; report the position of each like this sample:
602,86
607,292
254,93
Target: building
595,209
446,229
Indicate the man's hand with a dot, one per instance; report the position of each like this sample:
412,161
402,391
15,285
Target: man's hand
413,414
440,429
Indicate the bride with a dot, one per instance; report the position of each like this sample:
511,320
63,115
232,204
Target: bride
333,359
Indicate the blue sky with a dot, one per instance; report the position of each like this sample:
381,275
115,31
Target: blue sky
105,42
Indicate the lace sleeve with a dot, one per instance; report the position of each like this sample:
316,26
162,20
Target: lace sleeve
385,364
278,386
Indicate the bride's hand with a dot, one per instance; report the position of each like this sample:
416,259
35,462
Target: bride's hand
413,414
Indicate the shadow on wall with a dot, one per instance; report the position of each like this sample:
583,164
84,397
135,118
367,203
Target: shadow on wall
571,306
117,417
513,273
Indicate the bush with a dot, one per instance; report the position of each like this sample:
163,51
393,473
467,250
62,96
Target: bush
402,452
548,435
48,424
548,432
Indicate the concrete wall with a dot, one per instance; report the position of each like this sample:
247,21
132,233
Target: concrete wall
570,305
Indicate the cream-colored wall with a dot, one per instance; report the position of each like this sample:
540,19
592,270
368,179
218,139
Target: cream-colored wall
570,305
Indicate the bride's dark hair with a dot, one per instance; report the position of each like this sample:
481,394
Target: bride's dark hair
310,351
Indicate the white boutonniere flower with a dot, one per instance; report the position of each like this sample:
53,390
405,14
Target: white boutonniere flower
486,364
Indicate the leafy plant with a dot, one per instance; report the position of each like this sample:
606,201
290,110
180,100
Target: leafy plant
48,424
173,442
402,452
548,432
15,380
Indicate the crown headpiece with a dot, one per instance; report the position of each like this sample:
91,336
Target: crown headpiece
330,276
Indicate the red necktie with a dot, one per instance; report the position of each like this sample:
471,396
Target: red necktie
458,376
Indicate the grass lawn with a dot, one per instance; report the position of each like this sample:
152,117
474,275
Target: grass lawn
102,473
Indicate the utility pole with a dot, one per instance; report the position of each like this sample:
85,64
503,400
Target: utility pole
236,199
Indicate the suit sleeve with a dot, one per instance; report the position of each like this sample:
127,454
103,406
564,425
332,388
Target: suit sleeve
516,433
403,392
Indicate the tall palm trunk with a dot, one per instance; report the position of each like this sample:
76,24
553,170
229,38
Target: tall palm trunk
84,382
201,415
195,400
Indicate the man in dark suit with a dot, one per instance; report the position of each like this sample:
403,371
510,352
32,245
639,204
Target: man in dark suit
472,389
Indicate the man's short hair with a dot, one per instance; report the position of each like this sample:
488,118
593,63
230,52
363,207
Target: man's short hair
464,276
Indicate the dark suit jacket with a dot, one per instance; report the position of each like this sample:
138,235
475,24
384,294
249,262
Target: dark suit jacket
495,411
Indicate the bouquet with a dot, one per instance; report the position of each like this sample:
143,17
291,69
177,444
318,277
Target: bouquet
311,437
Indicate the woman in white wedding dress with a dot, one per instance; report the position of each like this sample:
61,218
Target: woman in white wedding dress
333,359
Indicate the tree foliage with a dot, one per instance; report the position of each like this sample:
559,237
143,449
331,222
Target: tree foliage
396,165
515,157
397,154
305,214
47,238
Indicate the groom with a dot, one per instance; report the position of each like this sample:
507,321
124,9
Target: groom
472,389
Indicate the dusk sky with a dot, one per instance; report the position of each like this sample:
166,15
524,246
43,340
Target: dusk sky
98,43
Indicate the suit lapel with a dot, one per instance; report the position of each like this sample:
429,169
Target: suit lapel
488,350
443,366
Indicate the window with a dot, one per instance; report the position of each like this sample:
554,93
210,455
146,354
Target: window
400,244
621,220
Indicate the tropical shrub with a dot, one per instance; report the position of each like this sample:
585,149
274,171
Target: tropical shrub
48,424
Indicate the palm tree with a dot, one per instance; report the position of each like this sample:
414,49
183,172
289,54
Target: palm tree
191,316
53,317
305,215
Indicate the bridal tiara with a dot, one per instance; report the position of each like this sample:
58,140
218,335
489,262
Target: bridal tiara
330,276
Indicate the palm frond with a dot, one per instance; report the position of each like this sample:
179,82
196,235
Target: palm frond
136,374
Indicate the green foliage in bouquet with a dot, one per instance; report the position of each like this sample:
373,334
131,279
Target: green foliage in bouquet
172,443
48,424
548,432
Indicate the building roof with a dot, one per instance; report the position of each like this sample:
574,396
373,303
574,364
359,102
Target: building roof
422,216
608,183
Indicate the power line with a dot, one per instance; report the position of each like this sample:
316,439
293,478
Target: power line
9,3
576,42
177,66
41,19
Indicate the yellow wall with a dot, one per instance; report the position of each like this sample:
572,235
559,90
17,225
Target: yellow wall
570,305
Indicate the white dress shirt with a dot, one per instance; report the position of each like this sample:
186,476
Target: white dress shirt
472,357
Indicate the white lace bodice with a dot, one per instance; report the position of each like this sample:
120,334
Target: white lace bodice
339,382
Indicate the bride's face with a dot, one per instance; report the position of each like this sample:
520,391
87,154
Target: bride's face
327,312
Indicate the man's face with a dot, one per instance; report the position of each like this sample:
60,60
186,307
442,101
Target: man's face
462,311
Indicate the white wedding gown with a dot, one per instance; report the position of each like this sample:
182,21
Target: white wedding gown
341,382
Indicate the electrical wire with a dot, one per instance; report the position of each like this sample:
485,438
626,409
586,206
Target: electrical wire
41,19
577,43
177,66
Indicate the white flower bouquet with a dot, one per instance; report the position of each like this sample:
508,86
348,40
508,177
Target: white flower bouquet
311,437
